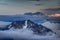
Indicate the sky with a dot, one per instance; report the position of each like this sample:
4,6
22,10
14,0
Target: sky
12,7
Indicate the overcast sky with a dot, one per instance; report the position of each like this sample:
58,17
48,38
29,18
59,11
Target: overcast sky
11,7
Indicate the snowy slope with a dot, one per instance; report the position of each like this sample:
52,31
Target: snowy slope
3,24
53,26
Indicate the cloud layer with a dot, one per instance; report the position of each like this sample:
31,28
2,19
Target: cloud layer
21,6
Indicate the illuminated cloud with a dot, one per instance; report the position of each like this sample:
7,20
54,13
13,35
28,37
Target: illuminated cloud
54,15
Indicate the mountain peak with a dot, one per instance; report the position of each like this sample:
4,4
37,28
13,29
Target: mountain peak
37,29
30,25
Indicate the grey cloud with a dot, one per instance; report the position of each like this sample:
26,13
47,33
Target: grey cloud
3,4
52,10
24,0
39,4
38,0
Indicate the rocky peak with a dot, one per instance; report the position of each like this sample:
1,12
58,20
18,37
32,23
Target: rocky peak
37,29
18,24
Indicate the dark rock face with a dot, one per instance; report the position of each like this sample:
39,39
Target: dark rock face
15,24
18,24
30,24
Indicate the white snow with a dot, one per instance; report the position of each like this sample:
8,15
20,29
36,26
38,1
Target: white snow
25,26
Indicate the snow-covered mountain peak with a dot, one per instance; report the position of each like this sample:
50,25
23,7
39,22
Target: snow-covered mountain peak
30,25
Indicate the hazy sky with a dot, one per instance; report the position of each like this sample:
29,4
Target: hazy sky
11,7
